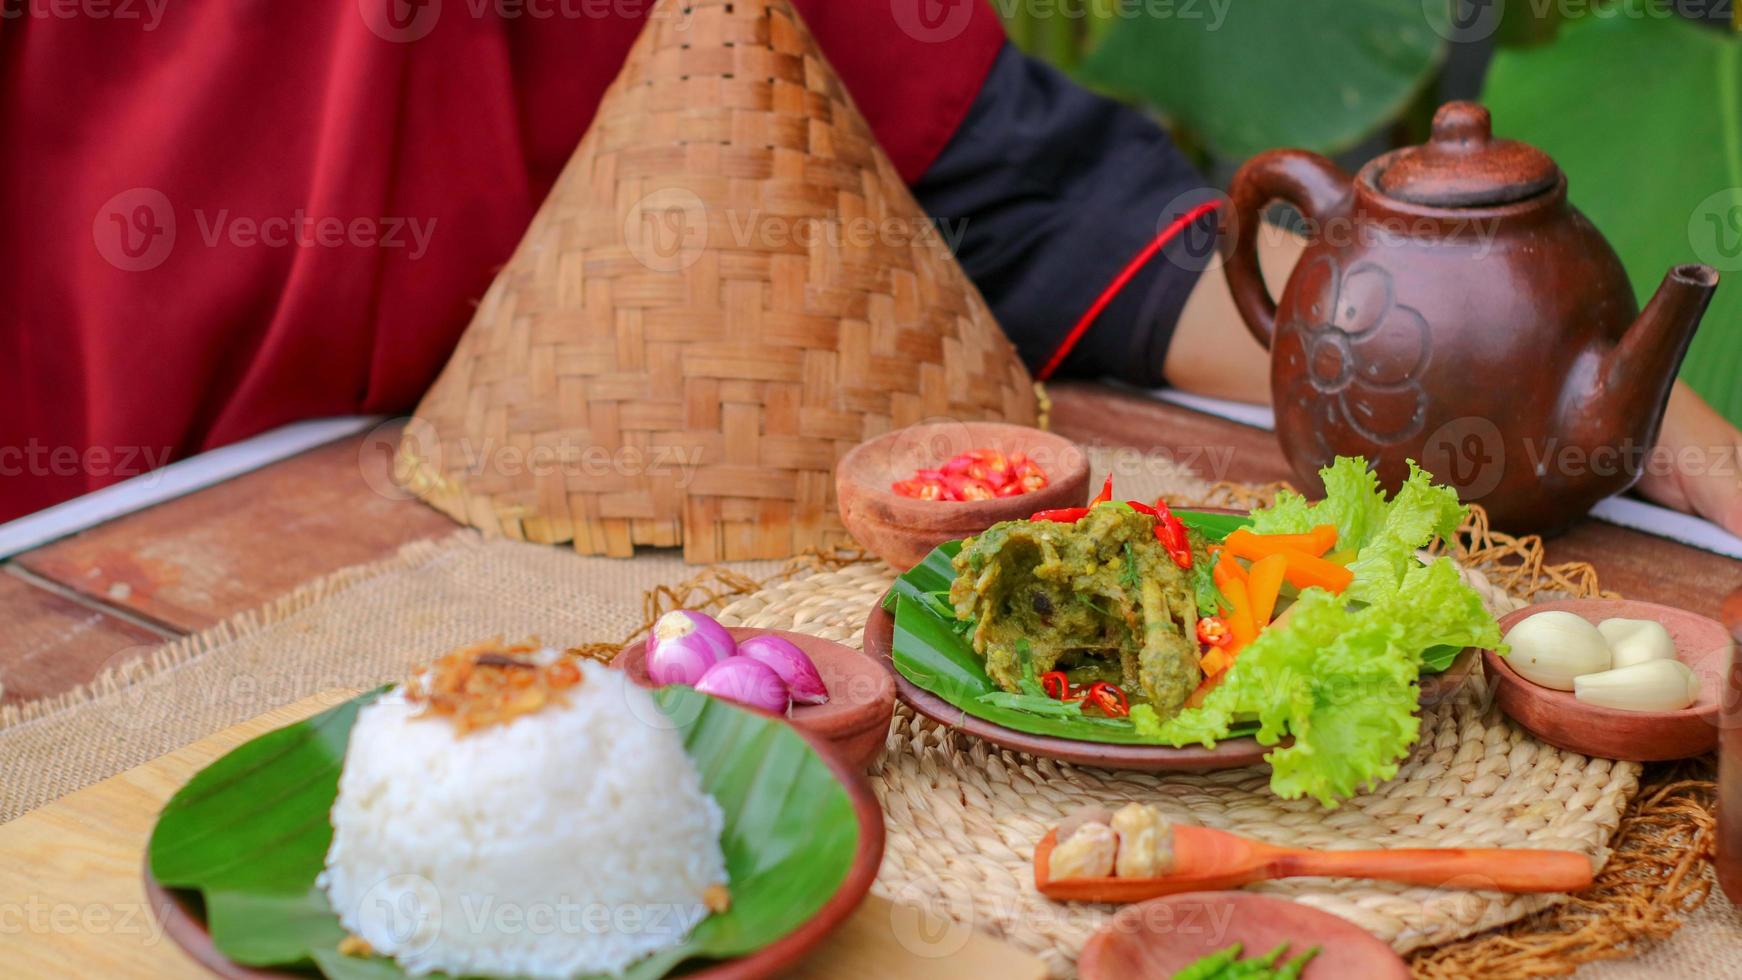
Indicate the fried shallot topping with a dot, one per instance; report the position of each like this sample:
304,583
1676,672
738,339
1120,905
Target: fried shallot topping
355,946
717,898
492,683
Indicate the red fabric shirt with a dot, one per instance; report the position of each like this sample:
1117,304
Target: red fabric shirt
223,216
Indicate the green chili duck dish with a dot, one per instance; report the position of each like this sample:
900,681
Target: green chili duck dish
1311,627
1098,599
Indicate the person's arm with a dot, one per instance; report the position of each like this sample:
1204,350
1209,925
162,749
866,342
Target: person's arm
1212,352
1704,456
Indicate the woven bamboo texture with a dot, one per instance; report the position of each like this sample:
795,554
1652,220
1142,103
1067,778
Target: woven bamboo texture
963,817
728,287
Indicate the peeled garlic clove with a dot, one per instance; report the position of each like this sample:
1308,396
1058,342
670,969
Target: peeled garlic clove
1655,685
1086,853
1145,842
1552,648
1090,813
1634,641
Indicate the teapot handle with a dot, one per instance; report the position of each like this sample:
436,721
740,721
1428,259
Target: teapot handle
1312,183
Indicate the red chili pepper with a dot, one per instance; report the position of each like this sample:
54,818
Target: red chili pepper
1063,515
1106,493
1142,508
1110,699
1171,532
1213,631
1056,685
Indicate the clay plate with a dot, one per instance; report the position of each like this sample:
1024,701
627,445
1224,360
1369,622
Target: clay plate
861,694
1163,935
902,530
1228,754
183,915
1563,721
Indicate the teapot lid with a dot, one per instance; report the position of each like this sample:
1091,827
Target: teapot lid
1463,166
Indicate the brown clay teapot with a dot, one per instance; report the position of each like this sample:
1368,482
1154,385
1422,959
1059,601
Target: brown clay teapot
1451,307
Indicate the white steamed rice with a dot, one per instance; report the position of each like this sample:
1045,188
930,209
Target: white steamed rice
573,840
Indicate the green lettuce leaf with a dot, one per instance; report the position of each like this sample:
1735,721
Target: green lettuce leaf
1340,675
1383,536
1340,680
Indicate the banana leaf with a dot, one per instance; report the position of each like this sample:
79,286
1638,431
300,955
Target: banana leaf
250,833
930,649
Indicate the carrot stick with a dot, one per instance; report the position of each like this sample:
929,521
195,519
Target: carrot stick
1305,571
1240,620
1245,544
1204,689
1226,570
1263,584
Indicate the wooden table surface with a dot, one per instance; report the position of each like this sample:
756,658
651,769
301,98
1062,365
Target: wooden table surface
79,604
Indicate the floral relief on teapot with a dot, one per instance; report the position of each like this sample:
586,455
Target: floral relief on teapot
1355,354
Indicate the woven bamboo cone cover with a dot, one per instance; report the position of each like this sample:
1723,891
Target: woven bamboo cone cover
728,287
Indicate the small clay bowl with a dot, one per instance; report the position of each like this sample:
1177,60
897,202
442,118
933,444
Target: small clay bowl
861,701
903,530
1563,721
1159,937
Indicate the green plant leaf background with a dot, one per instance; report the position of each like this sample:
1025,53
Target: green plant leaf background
250,833
1645,116
1318,74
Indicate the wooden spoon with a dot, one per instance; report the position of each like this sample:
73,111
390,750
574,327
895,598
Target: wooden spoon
1210,860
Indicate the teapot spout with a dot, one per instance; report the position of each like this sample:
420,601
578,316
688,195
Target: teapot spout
1636,374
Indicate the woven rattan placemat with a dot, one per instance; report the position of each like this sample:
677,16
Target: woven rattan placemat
961,816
